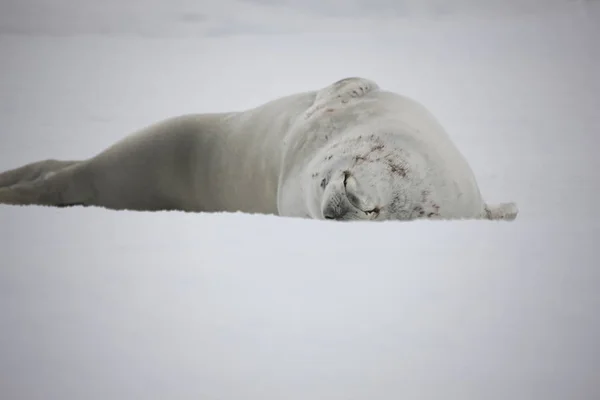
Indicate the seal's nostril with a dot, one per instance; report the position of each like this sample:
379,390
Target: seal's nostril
329,213
337,213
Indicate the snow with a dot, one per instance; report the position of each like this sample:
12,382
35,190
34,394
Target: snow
97,304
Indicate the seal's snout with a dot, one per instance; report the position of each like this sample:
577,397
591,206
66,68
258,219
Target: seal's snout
337,213
335,203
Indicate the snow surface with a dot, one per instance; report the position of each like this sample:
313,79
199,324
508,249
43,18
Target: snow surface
97,304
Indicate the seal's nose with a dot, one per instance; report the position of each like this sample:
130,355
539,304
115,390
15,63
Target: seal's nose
337,213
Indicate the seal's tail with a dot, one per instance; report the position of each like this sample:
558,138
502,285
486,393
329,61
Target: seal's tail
502,211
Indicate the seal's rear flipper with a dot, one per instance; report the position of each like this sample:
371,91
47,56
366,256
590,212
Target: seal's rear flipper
502,211
32,172
63,187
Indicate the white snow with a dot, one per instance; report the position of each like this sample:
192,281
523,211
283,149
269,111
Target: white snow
97,304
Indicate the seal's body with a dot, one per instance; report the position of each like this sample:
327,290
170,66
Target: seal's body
350,151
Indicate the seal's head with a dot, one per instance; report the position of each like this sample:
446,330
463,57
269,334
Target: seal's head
370,181
346,198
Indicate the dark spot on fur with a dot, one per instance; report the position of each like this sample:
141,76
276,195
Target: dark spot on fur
430,215
397,169
329,110
396,204
315,174
378,147
323,183
329,157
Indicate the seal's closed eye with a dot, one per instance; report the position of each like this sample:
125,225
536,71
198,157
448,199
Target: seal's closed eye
356,197
350,192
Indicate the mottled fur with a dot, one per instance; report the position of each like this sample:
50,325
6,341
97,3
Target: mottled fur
350,151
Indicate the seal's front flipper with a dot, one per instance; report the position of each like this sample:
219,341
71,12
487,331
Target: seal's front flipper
346,89
502,211
340,93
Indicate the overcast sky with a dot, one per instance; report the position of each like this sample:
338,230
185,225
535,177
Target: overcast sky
226,17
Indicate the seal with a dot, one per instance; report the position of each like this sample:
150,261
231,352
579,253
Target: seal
349,151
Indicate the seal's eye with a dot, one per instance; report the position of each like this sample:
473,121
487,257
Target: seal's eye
350,188
346,176
357,198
